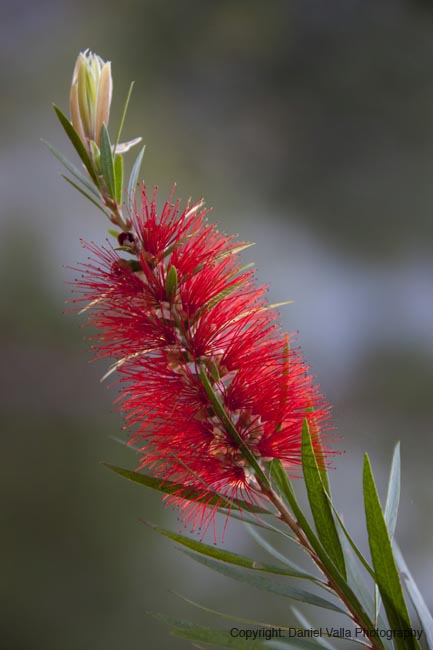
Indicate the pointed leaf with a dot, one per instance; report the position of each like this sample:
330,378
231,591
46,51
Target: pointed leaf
259,523
88,197
282,481
133,179
384,564
393,495
307,625
266,584
78,145
107,162
275,631
72,169
185,492
246,621
171,282
354,547
124,111
118,176
356,577
391,506
319,501
201,634
227,556
415,595
276,554
357,582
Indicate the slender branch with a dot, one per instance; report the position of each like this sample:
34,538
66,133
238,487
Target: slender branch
287,517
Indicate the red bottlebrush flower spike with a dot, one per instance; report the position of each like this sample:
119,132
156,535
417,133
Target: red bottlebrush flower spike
179,305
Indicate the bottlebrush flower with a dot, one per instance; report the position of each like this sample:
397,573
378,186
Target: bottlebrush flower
173,307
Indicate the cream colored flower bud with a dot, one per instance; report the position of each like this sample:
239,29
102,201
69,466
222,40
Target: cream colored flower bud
90,97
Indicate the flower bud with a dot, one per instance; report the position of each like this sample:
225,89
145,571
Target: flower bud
90,97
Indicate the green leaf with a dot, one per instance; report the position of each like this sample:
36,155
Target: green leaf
78,145
387,576
356,577
185,492
357,582
91,199
307,625
354,547
319,502
259,624
415,595
133,179
391,506
259,523
393,494
266,584
227,556
118,177
73,170
201,634
171,282
107,162
267,546
281,479
238,619
122,119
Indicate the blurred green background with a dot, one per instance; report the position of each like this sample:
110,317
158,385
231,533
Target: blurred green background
308,126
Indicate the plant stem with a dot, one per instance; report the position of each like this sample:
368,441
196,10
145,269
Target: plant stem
287,517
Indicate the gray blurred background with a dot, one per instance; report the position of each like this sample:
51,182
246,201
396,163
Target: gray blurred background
308,126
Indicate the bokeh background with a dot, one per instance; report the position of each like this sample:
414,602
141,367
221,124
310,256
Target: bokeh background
308,126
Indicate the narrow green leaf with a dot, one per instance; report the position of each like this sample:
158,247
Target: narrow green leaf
387,576
227,556
416,597
91,199
185,492
319,502
391,506
357,582
354,547
122,119
307,625
73,170
107,162
118,177
286,489
281,479
78,145
201,634
393,494
238,619
267,546
264,525
266,584
171,282
133,179
316,643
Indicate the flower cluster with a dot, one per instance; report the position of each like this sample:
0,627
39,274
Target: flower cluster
173,307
